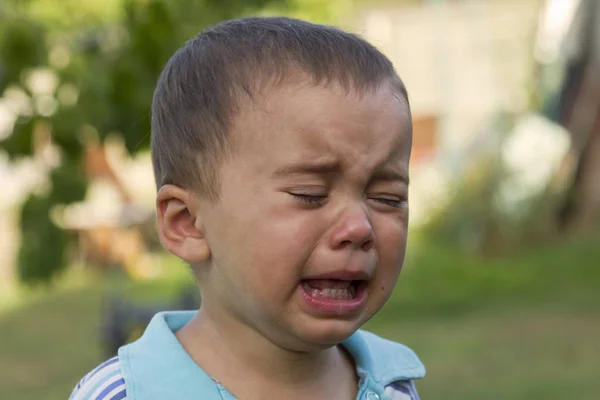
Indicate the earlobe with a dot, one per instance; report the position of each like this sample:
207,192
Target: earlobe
180,225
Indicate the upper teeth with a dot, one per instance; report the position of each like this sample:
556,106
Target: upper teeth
335,293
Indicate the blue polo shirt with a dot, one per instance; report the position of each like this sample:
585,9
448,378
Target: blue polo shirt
157,367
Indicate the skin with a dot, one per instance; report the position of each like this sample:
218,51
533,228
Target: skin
318,184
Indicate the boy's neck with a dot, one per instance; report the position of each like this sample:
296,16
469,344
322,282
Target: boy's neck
251,366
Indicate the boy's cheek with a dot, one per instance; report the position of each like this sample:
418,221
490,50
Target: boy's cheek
391,259
391,238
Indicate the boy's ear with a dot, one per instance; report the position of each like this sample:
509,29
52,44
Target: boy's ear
179,224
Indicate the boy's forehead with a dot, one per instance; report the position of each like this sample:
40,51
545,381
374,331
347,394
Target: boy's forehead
324,121
315,111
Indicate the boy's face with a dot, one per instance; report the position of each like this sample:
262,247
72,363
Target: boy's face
309,234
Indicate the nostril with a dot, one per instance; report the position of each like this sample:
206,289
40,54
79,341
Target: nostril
368,245
346,243
365,246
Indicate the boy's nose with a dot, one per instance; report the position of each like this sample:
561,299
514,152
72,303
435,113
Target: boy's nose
353,229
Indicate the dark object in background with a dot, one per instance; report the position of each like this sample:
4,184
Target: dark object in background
124,320
578,110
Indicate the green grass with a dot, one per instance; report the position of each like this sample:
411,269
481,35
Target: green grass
525,327
522,354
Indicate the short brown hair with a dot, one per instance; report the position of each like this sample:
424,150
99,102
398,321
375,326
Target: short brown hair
199,90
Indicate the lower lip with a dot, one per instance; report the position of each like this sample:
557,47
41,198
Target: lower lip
333,307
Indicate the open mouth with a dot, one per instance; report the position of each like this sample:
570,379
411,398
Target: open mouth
334,297
332,289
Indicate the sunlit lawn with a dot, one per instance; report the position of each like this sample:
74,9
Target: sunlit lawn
533,337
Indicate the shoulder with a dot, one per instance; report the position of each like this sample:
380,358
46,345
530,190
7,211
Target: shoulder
105,382
386,361
378,344
402,390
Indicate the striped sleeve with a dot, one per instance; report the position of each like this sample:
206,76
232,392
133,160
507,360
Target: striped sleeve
103,383
402,390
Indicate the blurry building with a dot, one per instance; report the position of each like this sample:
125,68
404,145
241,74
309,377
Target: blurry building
460,60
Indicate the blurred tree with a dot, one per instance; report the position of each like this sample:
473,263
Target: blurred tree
568,81
85,70
579,109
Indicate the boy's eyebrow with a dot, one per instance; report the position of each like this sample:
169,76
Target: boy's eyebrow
391,175
322,168
328,167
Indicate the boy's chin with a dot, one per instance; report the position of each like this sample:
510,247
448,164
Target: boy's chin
325,334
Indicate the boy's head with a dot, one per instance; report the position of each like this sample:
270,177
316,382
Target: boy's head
281,150
208,81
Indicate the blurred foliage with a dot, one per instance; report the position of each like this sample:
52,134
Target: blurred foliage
43,254
474,215
443,280
102,59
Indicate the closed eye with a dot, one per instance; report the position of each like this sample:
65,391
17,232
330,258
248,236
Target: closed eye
395,203
314,200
